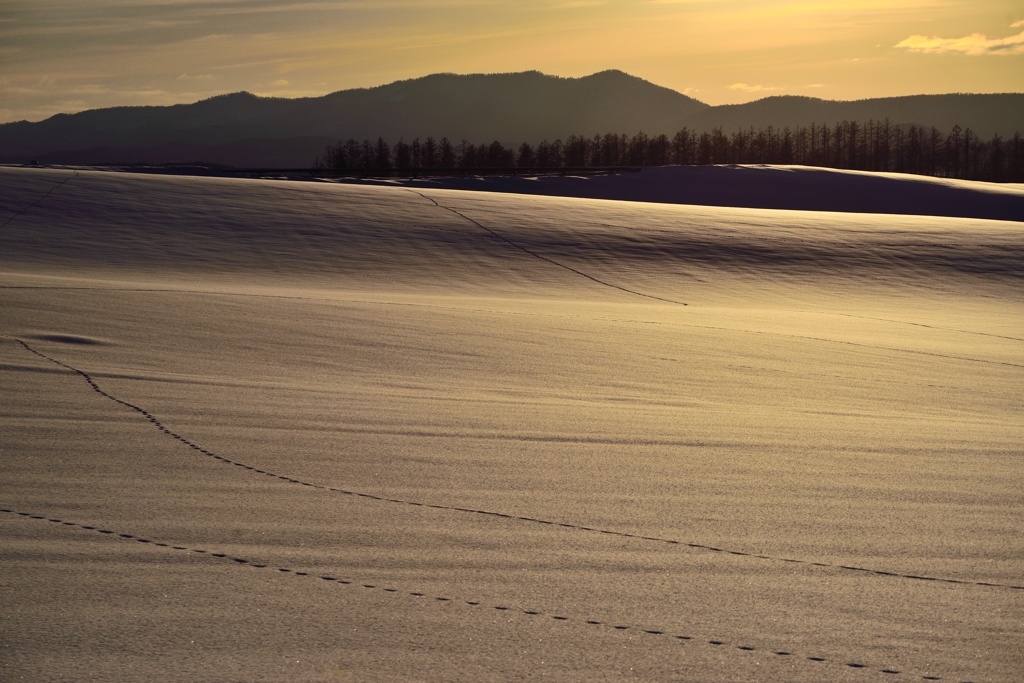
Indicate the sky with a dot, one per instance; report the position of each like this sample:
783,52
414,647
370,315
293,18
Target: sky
70,55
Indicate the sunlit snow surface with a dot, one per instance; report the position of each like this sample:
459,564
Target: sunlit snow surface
429,434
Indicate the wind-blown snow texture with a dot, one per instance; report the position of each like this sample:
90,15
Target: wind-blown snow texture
266,430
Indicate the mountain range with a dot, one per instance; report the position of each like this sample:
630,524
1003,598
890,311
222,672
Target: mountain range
241,129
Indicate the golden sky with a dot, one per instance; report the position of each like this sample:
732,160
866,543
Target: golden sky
69,55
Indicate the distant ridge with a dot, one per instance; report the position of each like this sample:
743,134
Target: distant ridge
242,129
986,115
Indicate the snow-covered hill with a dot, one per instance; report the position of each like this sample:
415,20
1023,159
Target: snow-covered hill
270,430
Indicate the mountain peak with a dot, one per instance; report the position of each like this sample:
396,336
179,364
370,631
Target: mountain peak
613,73
240,96
512,108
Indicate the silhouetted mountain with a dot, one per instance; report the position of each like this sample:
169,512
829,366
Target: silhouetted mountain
249,153
986,115
245,130
508,107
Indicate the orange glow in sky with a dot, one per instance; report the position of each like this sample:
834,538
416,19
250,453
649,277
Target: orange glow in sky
69,55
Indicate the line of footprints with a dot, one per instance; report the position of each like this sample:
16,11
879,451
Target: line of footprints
440,599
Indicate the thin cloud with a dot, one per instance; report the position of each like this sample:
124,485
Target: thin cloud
745,87
975,45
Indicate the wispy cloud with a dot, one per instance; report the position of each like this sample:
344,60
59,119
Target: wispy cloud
745,87
195,77
974,45
578,4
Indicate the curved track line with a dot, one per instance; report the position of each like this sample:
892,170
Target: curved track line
930,327
490,513
967,359
443,599
38,201
545,258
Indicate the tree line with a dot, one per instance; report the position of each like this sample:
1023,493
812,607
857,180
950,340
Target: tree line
870,146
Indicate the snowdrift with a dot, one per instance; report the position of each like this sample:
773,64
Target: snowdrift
267,430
